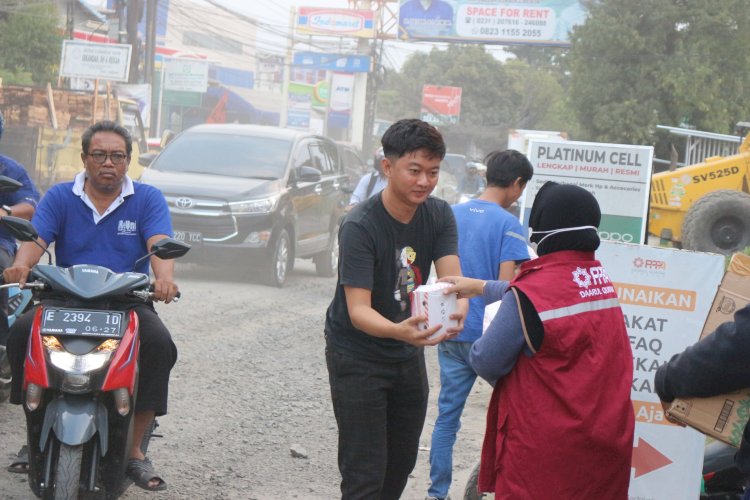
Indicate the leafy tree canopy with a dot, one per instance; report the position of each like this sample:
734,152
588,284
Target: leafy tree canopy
639,63
496,96
30,41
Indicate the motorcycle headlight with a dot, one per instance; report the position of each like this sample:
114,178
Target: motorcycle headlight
83,364
259,206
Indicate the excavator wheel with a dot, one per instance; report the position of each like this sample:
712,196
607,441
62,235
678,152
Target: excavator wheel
719,223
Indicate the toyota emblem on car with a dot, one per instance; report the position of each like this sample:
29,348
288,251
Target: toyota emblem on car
184,203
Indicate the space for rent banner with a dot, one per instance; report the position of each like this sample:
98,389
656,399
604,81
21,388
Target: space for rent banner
665,296
618,175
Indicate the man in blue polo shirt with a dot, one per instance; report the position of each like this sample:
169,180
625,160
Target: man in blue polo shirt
425,18
105,218
491,242
20,203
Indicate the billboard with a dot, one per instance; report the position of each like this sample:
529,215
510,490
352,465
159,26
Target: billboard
536,22
186,75
335,22
106,61
332,62
619,177
441,105
665,295
341,99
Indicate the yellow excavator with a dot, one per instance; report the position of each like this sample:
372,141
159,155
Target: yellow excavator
705,206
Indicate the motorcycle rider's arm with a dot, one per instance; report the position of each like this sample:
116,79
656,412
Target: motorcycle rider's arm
23,210
165,289
27,256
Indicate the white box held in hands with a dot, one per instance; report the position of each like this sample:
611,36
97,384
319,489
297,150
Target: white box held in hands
428,300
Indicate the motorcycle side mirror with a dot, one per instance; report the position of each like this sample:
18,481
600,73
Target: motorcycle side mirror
169,248
166,248
23,230
8,185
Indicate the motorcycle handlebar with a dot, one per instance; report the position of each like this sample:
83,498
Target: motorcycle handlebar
29,284
144,295
149,295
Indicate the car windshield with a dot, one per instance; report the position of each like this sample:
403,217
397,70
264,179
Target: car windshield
226,154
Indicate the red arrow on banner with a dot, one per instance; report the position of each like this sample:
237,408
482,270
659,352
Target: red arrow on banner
647,459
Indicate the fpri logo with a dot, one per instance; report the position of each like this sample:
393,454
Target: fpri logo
641,264
126,228
582,277
595,276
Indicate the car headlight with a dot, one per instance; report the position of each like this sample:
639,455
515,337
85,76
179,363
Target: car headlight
260,206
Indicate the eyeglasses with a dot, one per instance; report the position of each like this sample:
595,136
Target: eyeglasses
100,157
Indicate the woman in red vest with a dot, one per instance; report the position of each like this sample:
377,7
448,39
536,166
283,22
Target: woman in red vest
560,422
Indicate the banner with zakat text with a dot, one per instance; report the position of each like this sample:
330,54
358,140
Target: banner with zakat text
665,295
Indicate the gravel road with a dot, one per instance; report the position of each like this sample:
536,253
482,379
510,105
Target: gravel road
251,384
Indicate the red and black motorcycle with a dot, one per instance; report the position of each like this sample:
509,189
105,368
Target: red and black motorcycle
81,372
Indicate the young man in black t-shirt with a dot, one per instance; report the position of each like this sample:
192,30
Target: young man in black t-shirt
374,353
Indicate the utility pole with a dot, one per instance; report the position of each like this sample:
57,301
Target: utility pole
150,52
287,70
121,24
69,19
134,15
148,65
373,82
366,85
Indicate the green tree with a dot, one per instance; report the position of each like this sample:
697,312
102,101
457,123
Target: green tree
639,63
30,41
496,96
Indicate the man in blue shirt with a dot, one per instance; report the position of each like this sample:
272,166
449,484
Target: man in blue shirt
372,183
20,203
491,243
425,18
105,218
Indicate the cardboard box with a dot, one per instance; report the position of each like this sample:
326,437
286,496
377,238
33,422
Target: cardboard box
722,417
429,300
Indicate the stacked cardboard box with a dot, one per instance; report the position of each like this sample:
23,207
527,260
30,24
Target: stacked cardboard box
722,417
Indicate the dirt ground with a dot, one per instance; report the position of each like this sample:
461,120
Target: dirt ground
251,384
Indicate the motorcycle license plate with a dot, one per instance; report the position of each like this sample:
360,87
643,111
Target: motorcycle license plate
82,322
192,237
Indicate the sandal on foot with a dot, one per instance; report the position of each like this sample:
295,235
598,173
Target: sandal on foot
20,464
141,472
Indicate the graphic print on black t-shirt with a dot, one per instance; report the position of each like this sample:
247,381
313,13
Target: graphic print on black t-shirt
408,275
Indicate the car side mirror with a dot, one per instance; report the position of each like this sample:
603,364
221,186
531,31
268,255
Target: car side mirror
308,174
145,159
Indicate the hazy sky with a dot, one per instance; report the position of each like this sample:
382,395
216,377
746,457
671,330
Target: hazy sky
275,14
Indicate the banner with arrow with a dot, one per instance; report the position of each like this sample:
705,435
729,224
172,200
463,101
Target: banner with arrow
665,296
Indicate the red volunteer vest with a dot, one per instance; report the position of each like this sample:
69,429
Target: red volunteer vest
560,424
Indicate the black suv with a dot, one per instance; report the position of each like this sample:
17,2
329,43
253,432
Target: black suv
255,194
